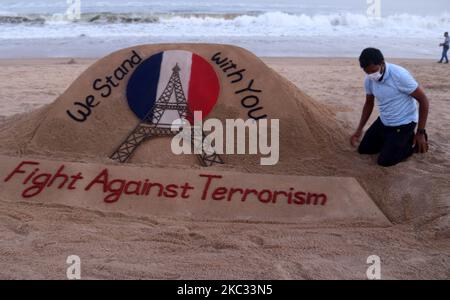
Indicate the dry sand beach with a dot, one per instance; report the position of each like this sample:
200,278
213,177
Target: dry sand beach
415,197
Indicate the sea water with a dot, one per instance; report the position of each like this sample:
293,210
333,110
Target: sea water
336,28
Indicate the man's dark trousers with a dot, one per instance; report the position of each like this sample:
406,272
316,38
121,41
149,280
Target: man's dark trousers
393,143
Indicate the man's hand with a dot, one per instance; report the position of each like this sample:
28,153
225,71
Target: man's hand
355,138
365,115
421,142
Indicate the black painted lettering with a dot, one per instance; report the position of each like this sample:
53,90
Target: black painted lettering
249,88
226,64
245,101
250,114
90,101
120,74
83,113
233,66
105,87
239,75
135,58
123,66
216,58
110,81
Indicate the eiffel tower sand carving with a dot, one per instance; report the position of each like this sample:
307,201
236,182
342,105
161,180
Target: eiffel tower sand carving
151,125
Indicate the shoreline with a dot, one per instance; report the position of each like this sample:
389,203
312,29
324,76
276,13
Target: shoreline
303,46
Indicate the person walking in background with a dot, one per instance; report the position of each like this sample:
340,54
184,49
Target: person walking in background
445,46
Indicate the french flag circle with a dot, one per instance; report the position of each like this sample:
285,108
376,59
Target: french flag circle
199,82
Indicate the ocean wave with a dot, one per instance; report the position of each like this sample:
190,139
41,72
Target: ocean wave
264,25
121,17
11,19
268,19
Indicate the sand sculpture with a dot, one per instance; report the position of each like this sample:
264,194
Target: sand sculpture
116,116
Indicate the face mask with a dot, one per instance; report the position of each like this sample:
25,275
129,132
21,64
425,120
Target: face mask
375,76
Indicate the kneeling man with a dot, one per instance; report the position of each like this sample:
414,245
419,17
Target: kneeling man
393,134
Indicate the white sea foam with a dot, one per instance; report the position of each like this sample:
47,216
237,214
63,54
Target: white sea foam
271,24
259,23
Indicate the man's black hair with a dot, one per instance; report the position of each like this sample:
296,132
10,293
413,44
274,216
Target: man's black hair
371,56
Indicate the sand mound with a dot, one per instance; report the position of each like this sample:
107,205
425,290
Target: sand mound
311,141
305,126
